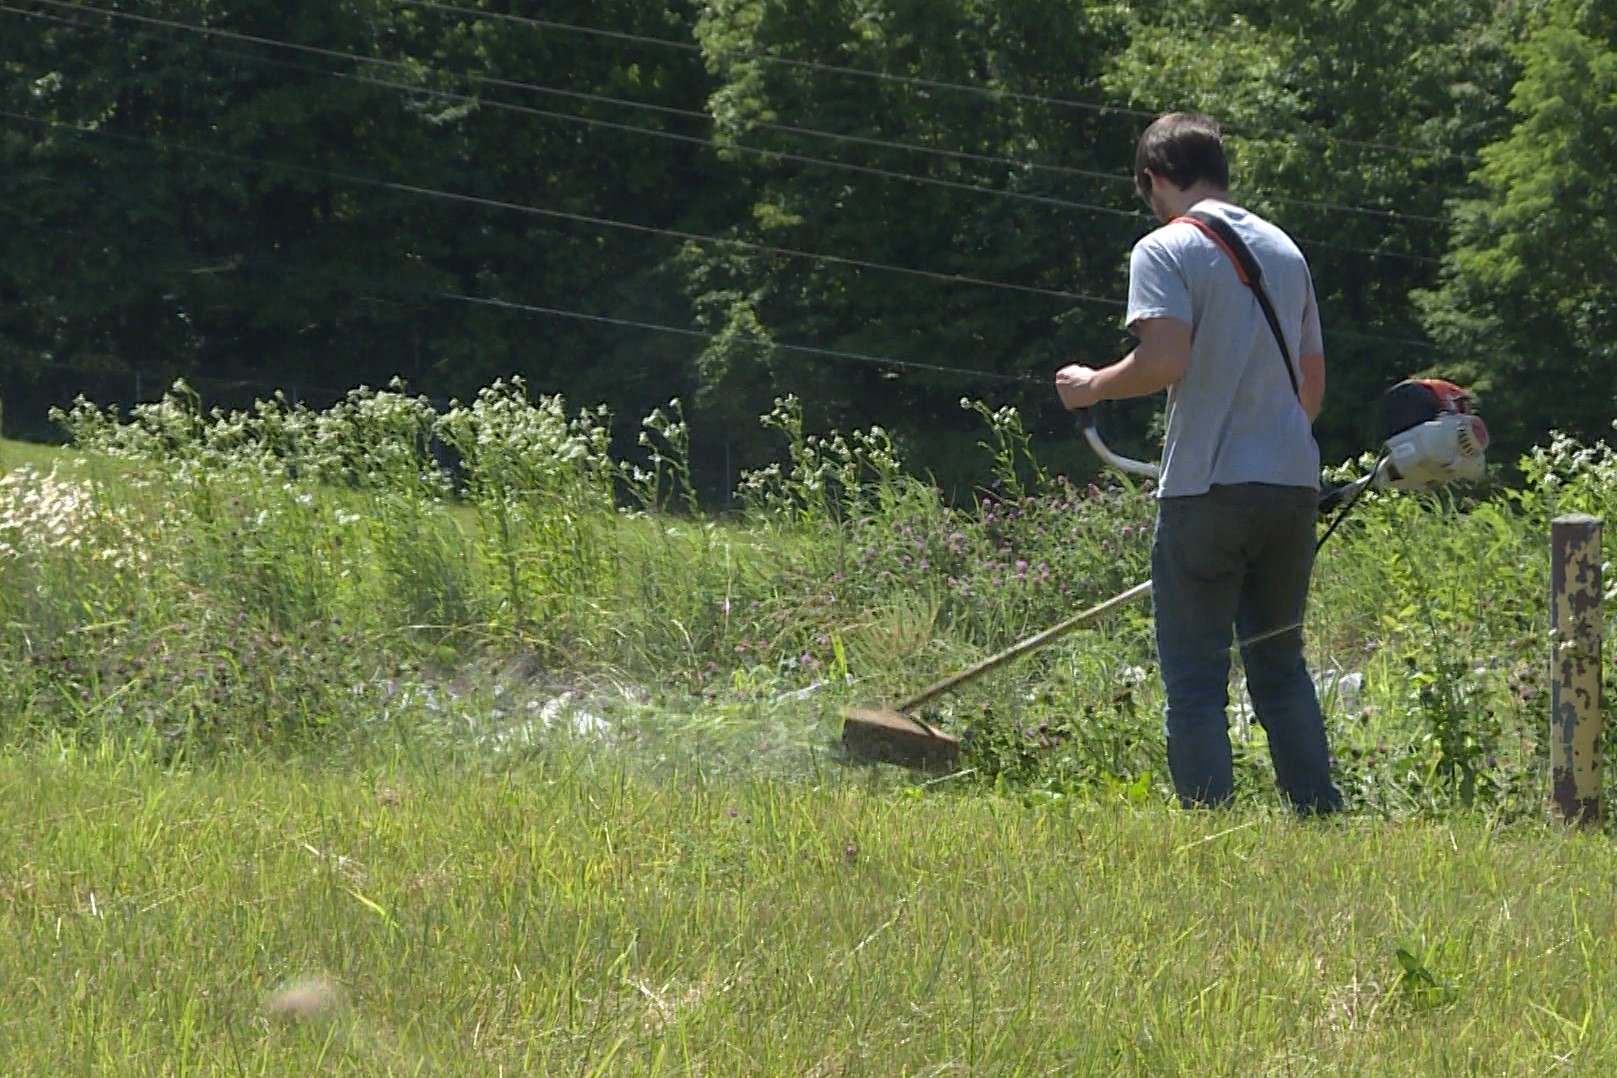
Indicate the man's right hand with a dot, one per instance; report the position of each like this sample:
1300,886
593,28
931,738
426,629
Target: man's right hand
1075,384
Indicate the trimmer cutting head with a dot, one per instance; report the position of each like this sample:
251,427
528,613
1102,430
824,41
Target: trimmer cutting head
889,736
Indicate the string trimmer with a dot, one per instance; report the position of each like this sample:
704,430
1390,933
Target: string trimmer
1430,437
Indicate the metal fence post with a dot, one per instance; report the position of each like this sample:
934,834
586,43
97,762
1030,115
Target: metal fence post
1575,668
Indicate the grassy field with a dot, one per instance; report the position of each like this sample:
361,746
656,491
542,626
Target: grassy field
326,756
567,914
14,454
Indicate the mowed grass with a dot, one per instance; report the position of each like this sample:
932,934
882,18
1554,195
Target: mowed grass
14,454
572,914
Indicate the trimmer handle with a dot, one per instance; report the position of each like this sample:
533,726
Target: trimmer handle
1086,424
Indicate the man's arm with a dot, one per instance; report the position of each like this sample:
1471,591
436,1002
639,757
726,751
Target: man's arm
1161,359
1311,350
1312,390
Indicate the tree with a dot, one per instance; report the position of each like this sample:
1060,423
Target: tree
943,157
308,194
1529,289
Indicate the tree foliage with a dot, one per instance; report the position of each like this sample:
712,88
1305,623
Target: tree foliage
1528,298
1015,196
852,201
295,193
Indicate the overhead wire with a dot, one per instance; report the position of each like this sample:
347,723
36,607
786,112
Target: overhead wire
586,121
484,201
397,294
606,222
577,218
709,142
561,312
577,95
1097,108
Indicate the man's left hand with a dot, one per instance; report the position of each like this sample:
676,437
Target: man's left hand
1076,385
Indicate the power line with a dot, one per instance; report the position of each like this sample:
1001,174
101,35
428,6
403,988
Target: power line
641,228
829,352
669,136
907,80
839,355
755,151
832,353
1061,203
576,95
578,218
559,312
1330,245
702,142
486,202
548,311
782,251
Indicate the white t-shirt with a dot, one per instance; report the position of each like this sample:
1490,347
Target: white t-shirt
1233,417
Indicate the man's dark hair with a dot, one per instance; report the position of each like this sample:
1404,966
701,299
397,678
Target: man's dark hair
1183,148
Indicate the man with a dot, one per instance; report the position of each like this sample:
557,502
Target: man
1238,498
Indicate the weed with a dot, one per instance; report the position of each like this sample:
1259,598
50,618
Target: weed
503,526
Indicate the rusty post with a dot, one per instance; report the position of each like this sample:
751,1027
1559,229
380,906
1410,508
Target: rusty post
1575,632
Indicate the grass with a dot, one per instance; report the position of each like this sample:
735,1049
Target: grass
324,758
14,454
571,914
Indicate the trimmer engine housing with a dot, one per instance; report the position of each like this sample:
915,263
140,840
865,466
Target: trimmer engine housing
1432,436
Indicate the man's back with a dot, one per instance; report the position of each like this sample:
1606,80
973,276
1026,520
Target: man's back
1233,417
1234,543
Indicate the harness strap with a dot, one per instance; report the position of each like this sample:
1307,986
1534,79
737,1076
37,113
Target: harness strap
1247,269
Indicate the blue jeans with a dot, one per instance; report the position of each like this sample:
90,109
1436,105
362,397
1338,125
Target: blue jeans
1236,561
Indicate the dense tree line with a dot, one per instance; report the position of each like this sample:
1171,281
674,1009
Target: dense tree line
880,205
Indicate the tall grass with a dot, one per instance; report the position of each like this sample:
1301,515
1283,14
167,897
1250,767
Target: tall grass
280,574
